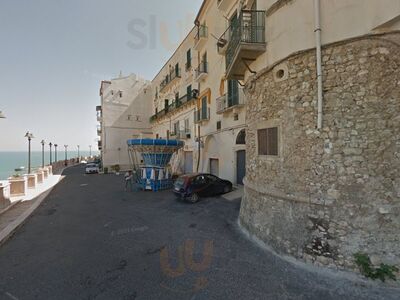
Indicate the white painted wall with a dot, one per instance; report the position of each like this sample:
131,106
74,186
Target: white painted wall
124,117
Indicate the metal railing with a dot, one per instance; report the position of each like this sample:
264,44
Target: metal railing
188,97
175,73
202,32
249,28
176,104
230,100
202,115
202,68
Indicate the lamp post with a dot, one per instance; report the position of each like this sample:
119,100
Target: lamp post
43,143
51,151
2,116
55,152
29,136
66,156
90,151
79,159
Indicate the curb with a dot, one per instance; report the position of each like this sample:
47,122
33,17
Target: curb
7,232
10,206
323,271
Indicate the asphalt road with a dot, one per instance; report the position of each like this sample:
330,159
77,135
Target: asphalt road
92,240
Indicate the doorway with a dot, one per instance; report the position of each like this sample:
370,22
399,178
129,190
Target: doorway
188,165
240,166
214,166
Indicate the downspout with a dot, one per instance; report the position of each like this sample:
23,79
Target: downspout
317,12
198,149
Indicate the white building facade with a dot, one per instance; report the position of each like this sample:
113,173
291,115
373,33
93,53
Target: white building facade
123,114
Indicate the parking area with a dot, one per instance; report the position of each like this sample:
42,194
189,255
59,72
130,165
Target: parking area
92,240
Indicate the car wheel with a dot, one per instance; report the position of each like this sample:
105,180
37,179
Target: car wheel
193,198
227,189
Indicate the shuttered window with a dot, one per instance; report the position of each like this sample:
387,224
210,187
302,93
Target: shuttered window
268,141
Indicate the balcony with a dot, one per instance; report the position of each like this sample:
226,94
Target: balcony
98,108
174,106
246,43
202,71
172,77
201,37
202,115
99,130
230,102
99,145
99,118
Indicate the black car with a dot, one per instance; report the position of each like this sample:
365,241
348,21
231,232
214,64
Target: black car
193,186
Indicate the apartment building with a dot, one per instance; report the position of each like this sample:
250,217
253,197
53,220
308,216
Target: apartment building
220,111
322,92
122,115
174,102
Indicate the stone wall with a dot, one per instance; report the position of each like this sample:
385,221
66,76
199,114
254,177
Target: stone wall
336,191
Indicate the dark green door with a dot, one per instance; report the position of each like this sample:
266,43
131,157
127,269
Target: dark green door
233,93
204,108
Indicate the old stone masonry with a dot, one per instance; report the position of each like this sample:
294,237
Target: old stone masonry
333,192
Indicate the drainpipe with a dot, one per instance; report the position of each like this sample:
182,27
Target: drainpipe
317,11
199,149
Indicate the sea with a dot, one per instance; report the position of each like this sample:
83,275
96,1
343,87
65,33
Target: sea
9,161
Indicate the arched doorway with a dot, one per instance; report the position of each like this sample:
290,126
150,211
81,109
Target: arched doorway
240,157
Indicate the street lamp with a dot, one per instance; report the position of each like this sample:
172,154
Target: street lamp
29,136
50,144
90,151
43,143
66,156
2,116
55,152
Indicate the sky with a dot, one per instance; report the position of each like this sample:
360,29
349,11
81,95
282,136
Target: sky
54,54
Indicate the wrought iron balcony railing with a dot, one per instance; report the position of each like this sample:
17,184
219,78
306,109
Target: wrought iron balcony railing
202,70
202,114
175,105
248,29
230,101
174,74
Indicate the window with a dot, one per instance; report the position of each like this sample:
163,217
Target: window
218,125
176,128
189,92
268,141
177,70
120,94
157,136
211,178
241,138
188,59
187,126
